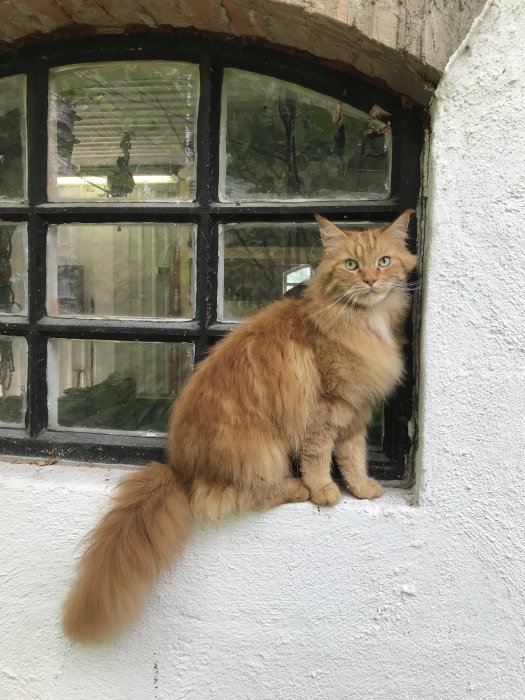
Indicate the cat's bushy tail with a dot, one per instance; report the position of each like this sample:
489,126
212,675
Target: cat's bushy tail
145,528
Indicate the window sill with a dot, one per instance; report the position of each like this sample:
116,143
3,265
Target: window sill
103,478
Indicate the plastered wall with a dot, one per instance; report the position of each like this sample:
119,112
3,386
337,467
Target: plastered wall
415,596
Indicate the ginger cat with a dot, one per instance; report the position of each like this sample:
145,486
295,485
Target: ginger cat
300,378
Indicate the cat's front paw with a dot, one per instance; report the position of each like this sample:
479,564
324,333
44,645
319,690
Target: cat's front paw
367,488
328,495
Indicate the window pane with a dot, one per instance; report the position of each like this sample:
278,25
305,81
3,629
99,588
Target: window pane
13,155
259,262
121,270
13,380
115,386
123,131
280,141
13,269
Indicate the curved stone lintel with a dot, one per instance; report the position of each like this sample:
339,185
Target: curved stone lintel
403,44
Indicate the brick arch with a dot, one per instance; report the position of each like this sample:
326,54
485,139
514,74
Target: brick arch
402,43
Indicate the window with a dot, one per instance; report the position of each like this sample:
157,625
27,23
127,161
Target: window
153,193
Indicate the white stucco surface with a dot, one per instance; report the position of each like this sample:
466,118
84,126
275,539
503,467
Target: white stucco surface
372,601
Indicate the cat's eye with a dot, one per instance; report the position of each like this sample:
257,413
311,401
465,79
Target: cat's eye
384,261
351,264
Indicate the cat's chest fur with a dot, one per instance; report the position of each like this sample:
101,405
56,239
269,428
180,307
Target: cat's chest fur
363,365
379,351
379,323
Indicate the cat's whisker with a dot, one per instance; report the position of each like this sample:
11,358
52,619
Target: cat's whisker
409,287
350,293
414,283
351,297
353,301
337,300
325,308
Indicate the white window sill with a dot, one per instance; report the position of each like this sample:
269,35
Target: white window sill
78,477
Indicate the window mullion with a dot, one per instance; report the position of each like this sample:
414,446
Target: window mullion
119,212
37,87
207,189
37,342
117,329
285,211
37,384
208,125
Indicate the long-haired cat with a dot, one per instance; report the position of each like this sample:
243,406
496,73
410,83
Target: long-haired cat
298,379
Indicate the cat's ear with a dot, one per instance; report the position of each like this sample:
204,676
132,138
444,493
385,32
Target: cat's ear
330,234
398,228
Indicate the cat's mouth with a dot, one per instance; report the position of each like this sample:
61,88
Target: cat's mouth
371,296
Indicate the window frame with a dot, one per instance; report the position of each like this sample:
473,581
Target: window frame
213,56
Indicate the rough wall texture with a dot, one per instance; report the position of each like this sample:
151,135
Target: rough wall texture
405,43
378,600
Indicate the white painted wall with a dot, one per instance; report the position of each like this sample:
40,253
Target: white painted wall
372,601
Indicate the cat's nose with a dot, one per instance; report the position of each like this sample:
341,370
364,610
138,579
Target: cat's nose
370,281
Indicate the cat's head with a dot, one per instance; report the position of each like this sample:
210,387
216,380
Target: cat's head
365,265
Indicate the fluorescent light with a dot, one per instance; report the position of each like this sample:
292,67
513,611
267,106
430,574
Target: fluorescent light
96,180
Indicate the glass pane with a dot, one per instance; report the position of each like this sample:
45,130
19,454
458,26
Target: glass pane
13,380
282,142
123,270
123,131
13,269
259,262
13,155
115,386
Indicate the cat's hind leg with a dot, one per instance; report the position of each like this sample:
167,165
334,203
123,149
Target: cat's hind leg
350,452
289,490
243,471
215,501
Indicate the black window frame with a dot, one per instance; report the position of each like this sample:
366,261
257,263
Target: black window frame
213,55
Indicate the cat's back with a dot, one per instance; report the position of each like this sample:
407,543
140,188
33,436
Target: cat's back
261,379
279,327
266,359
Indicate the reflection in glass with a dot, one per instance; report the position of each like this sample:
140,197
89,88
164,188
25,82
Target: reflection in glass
254,261
13,155
13,269
123,131
13,380
280,141
123,270
296,276
259,262
115,386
